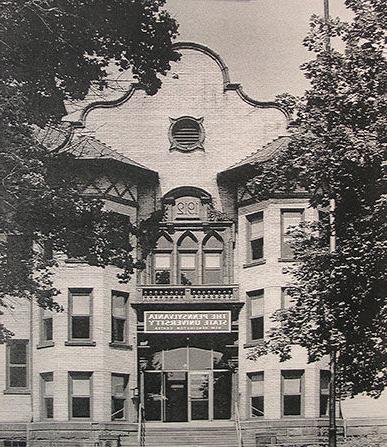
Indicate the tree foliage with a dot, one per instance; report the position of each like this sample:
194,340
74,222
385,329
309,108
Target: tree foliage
336,152
53,51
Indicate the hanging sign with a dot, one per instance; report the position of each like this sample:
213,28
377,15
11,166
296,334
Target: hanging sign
187,321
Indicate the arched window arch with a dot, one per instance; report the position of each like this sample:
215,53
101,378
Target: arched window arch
213,249
187,247
162,260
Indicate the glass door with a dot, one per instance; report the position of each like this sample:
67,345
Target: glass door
176,396
199,396
153,395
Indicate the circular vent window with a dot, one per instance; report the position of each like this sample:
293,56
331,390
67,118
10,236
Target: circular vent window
186,133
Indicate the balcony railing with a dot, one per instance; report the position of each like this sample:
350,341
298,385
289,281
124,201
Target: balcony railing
190,294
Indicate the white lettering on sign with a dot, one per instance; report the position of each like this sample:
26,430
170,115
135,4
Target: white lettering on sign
187,207
187,321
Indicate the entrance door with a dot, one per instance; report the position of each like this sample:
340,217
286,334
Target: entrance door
176,396
153,395
199,396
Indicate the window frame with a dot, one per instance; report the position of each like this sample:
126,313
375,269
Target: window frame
125,397
213,250
43,317
71,375
71,293
324,392
11,389
251,395
301,375
188,250
125,340
285,250
255,294
44,396
258,216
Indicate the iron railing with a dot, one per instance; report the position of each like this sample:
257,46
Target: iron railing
238,426
141,426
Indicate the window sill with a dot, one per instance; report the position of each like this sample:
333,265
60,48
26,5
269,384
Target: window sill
254,263
80,343
118,345
286,260
17,391
45,344
295,416
253,343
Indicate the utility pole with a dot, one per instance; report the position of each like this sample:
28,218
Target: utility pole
332,247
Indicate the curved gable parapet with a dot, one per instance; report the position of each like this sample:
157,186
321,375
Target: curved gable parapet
227,86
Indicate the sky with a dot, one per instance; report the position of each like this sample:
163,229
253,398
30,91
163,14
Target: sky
259,40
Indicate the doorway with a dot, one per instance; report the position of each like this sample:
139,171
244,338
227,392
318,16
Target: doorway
182,396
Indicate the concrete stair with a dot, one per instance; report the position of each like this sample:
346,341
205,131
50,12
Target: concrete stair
190,435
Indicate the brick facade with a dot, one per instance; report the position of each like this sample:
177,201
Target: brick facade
137,127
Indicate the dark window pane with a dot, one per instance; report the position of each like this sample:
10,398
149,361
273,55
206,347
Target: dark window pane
47,329
323,405
188,278
222,395
18,377
80,327
49,407
81,407
18,353
118,333
257,328
292,405
118,409
163,277
256,249
257,406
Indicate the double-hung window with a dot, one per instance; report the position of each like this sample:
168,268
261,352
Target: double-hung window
290,218
256,315
188,256
162,261
80,315
47,395
80,391
292,392
255,237
46,326
213,261
119,317
256,384
286,299
17,366
324,392
119,396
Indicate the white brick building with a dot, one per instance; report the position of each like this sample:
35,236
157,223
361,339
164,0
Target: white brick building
174,339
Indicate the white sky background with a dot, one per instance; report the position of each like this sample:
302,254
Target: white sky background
259,40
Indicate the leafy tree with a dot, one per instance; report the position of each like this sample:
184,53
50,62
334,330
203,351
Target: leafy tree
336,153
53,51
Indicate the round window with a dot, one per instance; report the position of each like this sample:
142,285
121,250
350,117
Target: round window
186,133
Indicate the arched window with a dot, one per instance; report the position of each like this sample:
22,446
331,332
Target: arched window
213,260
162,260
187,259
